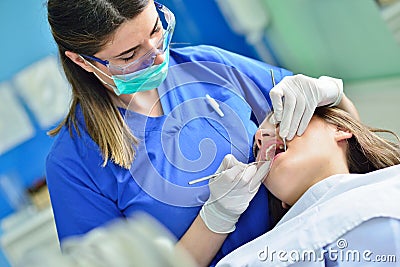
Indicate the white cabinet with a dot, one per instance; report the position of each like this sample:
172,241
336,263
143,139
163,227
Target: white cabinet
28,231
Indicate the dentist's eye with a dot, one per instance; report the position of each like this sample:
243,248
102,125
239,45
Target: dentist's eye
127,58
158,28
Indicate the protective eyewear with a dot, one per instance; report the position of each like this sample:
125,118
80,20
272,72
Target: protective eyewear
147,60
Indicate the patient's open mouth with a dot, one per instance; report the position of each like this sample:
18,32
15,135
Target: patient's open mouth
271,151
280,148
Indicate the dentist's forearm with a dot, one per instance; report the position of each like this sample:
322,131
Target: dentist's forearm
201,243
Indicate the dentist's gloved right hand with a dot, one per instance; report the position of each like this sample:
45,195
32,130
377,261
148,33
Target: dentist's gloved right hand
230,195
295,98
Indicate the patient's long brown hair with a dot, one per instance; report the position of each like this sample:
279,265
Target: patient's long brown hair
366,150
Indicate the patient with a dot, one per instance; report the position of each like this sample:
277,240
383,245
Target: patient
339,193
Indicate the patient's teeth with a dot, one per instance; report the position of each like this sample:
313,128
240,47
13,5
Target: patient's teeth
281,147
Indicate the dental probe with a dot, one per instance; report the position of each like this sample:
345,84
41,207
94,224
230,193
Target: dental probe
273,84
218,173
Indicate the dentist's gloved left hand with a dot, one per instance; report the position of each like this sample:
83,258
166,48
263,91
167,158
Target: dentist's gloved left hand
295,98
230,194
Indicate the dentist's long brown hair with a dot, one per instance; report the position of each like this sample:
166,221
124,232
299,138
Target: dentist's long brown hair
366,150
84,27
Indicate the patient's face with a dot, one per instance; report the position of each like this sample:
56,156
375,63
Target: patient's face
307,160
267,140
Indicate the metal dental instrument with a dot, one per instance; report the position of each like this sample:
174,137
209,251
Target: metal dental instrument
250,164
272,77
218,173
273,84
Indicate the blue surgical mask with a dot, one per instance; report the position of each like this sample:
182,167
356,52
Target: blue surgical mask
142,80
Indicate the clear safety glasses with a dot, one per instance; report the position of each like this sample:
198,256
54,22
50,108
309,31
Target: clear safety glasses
160,45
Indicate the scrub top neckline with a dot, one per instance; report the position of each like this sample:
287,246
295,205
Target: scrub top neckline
147,122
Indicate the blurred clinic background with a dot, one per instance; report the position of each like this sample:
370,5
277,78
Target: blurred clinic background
356,40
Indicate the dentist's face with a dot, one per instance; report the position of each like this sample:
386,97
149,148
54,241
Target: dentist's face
131,45
307,160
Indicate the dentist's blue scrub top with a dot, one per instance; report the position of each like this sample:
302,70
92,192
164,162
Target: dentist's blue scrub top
188,142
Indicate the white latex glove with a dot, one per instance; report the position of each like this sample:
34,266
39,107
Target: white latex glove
230,194
295,98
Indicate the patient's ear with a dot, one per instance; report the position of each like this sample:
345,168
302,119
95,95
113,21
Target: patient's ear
342,134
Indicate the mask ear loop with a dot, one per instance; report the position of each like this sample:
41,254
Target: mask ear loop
116,91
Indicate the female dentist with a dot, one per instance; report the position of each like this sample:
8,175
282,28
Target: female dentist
146,119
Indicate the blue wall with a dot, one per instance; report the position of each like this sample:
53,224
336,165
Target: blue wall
25,40
25,35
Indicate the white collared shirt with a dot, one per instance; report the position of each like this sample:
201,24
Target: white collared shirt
337,207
